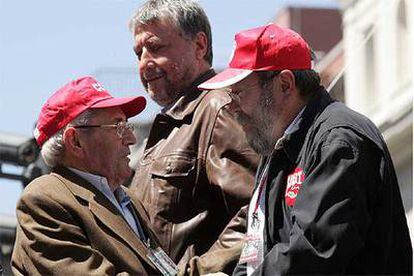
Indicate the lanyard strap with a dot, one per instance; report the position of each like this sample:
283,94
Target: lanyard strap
262,183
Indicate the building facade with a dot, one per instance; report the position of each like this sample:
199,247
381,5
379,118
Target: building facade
378,40
322,29
319,26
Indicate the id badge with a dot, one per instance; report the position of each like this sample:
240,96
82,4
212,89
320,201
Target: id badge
252,250
161,260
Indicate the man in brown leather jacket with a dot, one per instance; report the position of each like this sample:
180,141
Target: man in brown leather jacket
197,170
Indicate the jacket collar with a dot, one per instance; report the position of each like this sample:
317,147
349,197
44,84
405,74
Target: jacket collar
294,141
105,211
190,99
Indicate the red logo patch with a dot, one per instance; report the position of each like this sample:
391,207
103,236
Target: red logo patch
294,182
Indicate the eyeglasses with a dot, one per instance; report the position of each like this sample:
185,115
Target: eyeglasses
121,127
236,95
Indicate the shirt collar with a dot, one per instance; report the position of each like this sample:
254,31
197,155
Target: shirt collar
101,183
289,130
122,197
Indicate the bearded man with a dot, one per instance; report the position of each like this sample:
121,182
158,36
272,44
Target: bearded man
327,199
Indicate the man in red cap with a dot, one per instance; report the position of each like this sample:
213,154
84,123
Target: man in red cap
79,220
327,199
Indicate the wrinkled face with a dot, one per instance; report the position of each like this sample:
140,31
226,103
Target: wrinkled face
105,153
167,60
251,107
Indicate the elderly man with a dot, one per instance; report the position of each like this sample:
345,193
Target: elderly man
326,199
79,220
197,170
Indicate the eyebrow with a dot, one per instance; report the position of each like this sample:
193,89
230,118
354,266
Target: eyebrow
119,119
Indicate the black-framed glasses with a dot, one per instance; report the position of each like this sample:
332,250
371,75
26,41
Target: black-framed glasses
121,127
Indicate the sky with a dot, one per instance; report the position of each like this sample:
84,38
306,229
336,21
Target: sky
46,43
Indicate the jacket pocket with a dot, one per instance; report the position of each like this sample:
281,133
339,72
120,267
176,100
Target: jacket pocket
173,165
173,177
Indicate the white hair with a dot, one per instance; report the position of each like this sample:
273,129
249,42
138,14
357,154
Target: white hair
53,149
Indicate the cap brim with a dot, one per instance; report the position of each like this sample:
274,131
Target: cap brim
131,106
226,78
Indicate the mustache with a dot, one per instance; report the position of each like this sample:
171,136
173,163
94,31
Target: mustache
256,136
152,73
242,118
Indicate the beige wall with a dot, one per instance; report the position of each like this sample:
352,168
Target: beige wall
378,41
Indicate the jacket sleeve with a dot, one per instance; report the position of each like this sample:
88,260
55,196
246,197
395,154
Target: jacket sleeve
225,253
230,167
49,241
331,215
230,163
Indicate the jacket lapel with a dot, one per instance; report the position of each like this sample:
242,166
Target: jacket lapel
119,227
104,211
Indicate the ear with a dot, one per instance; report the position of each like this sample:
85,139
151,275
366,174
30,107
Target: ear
287,81
72,142
201,45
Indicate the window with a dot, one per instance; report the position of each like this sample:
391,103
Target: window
403,48
370,70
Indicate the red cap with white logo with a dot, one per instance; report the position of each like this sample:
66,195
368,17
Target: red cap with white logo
74,98
266,48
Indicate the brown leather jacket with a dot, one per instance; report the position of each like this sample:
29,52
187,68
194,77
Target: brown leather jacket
196,172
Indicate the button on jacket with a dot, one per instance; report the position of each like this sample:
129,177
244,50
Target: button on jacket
68,227
196,173
333,204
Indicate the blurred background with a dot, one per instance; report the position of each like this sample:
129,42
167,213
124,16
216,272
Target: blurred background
363,48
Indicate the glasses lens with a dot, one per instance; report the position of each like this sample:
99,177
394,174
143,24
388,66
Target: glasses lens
122,127
130,127
232,96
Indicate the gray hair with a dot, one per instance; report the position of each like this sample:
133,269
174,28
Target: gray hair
187,15
53,150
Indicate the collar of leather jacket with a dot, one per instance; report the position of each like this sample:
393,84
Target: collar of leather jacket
190,99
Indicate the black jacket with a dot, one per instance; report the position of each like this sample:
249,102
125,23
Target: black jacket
347,217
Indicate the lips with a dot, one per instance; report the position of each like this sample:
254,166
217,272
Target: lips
154,74
154,78
126,154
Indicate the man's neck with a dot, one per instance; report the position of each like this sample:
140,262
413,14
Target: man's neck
199,79
113,184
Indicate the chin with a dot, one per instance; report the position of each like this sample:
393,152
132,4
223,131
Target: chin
155,96
164,101
125,172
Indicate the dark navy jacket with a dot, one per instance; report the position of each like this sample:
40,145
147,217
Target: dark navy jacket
347,216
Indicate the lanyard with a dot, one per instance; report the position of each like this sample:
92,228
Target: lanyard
263,178
262,183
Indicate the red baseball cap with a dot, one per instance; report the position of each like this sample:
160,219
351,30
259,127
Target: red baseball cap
266,48
75,97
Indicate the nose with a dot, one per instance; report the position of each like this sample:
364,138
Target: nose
146,60
129,138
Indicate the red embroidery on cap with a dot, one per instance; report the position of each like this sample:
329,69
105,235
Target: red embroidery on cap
294,182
